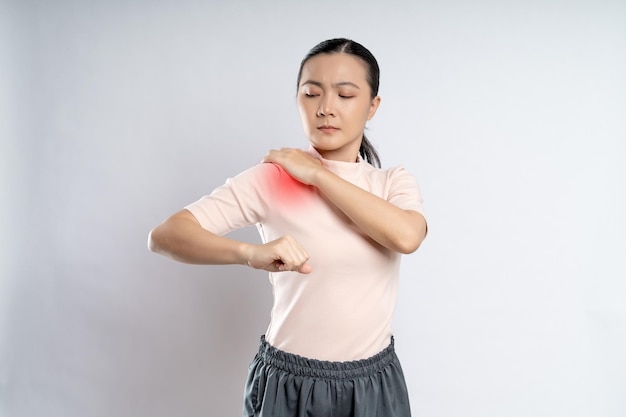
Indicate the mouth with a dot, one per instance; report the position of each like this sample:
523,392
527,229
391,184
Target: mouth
327,128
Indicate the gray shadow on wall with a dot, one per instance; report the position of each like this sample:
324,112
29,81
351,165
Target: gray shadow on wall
223,310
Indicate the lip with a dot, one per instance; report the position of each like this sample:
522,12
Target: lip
327,128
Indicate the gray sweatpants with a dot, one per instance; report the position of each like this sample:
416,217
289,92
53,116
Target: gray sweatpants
281,384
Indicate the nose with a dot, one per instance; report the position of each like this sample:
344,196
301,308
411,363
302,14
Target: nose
326,107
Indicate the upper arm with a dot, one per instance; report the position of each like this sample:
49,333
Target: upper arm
404,192
241,201
185,215
158,236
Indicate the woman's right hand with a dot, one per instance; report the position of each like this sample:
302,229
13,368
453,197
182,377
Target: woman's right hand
181,237
282,254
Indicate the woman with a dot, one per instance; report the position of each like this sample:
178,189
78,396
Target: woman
333,228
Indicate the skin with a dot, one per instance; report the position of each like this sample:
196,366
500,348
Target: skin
335,103
333,91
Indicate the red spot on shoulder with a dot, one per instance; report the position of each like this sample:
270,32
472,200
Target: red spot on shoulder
287,190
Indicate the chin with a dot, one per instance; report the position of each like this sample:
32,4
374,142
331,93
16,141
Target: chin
323,148
326,142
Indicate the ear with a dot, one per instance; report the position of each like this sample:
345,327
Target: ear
373,107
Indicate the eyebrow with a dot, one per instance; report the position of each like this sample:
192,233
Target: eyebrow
339,84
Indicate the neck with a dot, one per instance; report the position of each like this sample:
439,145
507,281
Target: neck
340,155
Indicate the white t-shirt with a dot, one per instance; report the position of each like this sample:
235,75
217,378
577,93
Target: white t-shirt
342,310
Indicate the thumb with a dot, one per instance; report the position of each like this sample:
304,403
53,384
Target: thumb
305,269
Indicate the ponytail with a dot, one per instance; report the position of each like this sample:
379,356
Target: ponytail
368,152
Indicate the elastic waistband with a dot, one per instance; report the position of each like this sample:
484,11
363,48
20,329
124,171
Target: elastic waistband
298,365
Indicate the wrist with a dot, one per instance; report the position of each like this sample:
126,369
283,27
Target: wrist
244,253
320,176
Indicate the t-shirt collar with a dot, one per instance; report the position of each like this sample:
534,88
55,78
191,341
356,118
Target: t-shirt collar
338,167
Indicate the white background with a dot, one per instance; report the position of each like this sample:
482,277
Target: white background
115,114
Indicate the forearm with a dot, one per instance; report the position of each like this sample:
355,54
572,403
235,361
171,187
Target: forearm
392,227
181,238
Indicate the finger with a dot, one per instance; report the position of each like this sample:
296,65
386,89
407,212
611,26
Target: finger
268,156
294,261
302,266
288,255
297,253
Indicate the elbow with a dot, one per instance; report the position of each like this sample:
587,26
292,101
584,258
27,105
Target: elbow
167,237
154,240
408,245
410,241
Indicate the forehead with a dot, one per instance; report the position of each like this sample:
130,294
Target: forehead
333,68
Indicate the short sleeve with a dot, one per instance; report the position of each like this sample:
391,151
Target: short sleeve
404,191
242,201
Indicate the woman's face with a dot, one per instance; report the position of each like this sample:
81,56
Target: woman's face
335,102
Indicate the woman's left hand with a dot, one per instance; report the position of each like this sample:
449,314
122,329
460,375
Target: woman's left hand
297,163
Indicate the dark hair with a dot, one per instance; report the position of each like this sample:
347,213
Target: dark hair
347,46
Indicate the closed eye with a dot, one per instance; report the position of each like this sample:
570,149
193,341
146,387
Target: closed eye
343,96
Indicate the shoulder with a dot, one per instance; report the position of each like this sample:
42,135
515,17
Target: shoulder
389,175
257,175
399,187
398,172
